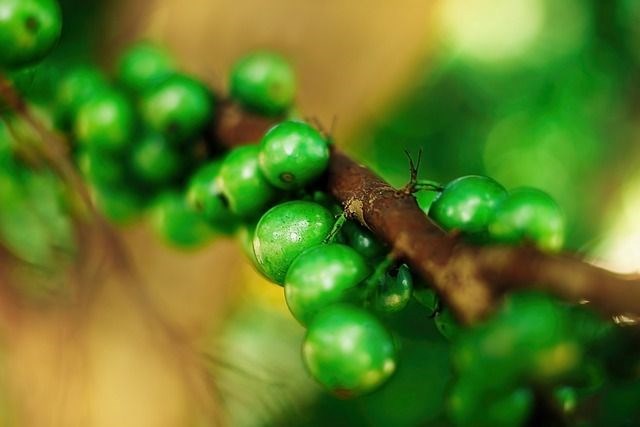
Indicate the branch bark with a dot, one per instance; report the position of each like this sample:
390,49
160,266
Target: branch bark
470,278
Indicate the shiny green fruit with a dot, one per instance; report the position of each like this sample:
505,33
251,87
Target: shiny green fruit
143,66
321,276
467,203
287,230
348,351
293,154
179,107
77,87
155,160
29,29
177,223
363,241
247,191
101,169
106,123
205,196
263,82
394,293
531,215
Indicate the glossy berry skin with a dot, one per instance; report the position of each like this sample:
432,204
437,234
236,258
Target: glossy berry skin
77,87
106,122
531,215
293,154
29,29
321,276
247,191
348,351
179,107
287,230
467,203
263,82
205,196
177,223
395,292
154,160
363,241
144,65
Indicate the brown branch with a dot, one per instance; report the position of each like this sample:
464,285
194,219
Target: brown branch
469,278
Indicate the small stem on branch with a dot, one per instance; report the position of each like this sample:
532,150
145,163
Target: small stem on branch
471,279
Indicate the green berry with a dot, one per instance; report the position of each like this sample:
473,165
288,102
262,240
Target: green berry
467,204
348,351
144,65
263,82
322,276
121,206
363,241
106,122
287,230
471,406
177,223
101,168
529,214
566,398
29,29
243,185
179,107
76,88
205,196
293,154
156,161
395,292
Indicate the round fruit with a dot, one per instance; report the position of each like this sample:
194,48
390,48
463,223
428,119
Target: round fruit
287,230
106,122
531,215
144,65
100,168
154,160
292,154
179,107
29,29
243,185
322,276
395,292
205,196
75,89
263,82
467,203
470,405
177,223
348,351
363,241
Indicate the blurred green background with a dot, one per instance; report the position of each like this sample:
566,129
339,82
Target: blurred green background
535,92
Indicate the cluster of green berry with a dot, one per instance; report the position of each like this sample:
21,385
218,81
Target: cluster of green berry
140,142
484,212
